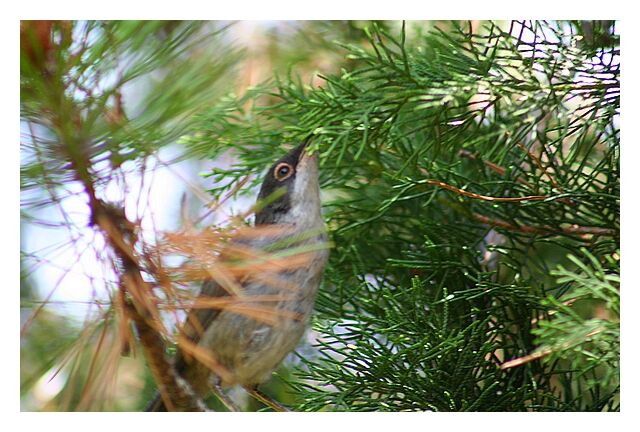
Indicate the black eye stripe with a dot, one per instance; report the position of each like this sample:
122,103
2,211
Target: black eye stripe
282,171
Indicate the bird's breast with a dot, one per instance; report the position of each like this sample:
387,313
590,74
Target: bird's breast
265,323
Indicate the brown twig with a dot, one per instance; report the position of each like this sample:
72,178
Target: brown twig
542,168
576,229
120,235
484,197
584,232
142,312
175,396
542,353
546,172
501,170
506,225
526,359
494,167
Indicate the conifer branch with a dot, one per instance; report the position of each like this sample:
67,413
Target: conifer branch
482,197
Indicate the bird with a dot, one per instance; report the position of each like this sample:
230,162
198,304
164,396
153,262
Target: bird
245,348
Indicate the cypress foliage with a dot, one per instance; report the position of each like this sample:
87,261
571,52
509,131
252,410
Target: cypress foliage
472,191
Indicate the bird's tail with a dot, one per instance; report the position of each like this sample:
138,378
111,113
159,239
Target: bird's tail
156,404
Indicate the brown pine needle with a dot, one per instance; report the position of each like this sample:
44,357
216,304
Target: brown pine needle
224,302
204,356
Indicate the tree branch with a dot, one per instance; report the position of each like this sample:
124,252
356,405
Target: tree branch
120,234
584,232
459,191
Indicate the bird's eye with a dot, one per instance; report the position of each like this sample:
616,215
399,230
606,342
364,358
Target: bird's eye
283,171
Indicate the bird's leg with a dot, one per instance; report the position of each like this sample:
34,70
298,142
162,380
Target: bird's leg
265,399
216,387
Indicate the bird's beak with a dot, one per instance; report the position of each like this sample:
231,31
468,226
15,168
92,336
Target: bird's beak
305,160
299,151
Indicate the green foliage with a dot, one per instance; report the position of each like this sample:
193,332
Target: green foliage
586,343
434,283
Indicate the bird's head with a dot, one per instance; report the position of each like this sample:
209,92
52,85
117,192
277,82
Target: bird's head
291,191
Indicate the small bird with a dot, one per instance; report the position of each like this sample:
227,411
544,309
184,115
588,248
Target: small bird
248,349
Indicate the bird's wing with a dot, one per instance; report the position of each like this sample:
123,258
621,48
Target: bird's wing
198,319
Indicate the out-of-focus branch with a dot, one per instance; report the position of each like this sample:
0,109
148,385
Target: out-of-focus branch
77,107
176,393
138,305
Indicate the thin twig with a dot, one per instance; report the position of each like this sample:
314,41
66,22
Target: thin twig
574,229
484,197
542,168
542,353
120,235
492,166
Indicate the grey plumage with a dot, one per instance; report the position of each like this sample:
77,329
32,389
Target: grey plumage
250,349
